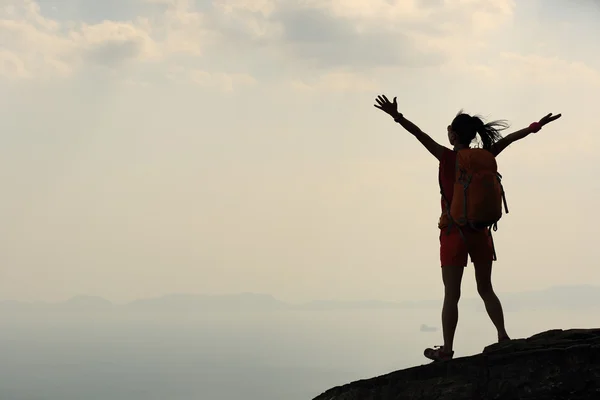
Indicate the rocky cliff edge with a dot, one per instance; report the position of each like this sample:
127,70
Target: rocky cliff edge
553,365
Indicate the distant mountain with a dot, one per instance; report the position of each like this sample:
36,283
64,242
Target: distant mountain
561,297
87,303
349,305
188,302
364,305
77,303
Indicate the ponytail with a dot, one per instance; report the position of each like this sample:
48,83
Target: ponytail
490,132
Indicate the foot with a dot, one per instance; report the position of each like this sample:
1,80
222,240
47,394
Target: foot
504,338
438,354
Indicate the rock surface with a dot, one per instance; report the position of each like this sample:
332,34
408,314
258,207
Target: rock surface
553,365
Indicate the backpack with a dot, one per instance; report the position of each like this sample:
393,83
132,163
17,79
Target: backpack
478,194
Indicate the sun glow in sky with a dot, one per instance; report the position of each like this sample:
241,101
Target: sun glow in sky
159,146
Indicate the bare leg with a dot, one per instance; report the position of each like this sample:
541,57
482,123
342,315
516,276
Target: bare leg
452,277
483,276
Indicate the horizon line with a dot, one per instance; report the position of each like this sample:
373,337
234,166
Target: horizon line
259,294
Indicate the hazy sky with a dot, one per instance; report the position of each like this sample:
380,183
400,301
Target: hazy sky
158,146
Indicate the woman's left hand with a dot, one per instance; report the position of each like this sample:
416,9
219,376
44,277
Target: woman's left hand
549,118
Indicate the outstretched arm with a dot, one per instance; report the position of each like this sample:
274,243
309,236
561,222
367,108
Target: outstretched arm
391,108
509,139
503,143
431,145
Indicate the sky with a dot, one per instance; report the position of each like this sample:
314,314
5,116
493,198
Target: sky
178,146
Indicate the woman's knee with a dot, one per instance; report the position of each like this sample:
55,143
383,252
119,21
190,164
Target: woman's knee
485,289
483,277
451,295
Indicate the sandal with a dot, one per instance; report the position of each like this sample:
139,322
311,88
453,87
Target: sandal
438,354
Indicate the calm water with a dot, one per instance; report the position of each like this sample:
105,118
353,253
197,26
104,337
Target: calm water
291,355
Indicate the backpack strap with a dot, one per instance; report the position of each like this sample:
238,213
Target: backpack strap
465,181
503,195
457,176
451,221
495,227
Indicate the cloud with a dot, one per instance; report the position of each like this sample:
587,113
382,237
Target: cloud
324,34
112,42
181,28
36,46
43,47
312,44
333,34
320,38
223,81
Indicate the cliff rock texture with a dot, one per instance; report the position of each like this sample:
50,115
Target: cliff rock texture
553,365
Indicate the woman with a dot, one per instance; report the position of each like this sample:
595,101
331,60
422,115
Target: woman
454,247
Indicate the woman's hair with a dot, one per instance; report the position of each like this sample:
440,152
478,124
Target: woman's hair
467,127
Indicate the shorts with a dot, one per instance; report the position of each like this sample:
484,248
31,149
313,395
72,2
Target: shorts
454,249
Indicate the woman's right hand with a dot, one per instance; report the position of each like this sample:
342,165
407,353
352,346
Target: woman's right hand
387,106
